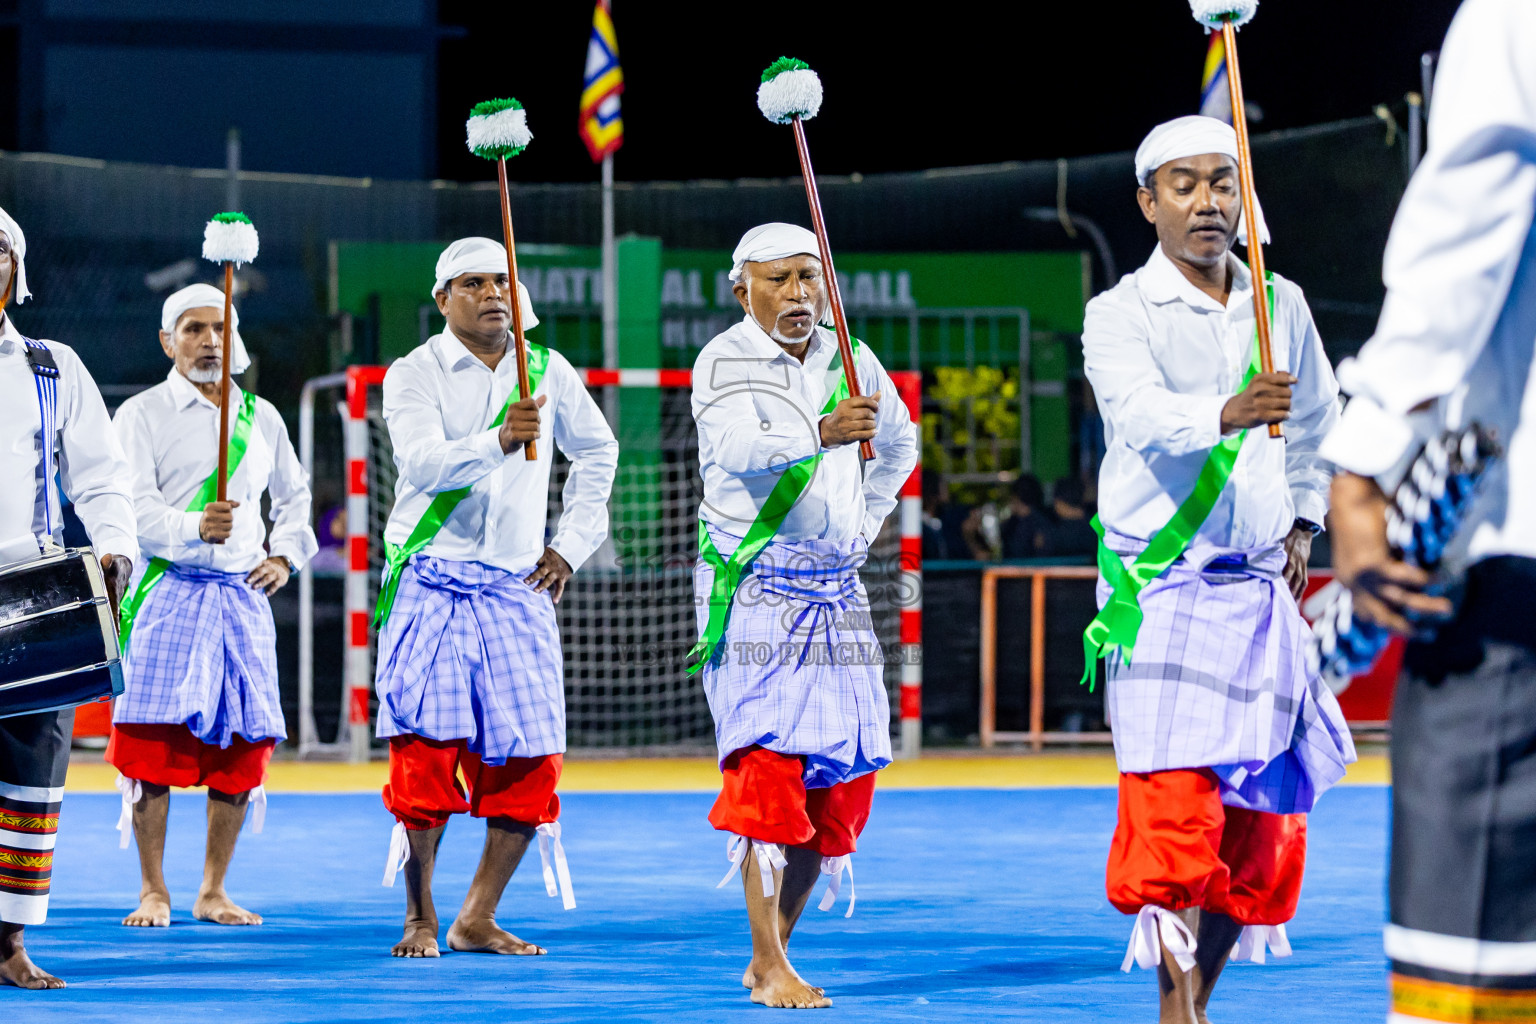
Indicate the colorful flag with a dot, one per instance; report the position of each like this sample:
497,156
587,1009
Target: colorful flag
1215,96
602,129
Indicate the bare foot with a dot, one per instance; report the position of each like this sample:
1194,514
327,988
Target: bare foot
218,908
749,980
486,937
778,985
16,968
420,940
154,911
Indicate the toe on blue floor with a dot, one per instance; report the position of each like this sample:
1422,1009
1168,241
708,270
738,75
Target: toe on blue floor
973,905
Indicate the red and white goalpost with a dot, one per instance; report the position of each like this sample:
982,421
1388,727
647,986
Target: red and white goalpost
624,629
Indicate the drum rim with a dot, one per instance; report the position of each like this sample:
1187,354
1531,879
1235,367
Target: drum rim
34,680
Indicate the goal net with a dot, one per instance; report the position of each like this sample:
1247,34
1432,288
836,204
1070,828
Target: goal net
627,618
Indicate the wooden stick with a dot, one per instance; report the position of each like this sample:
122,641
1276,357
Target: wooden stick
229,288
1250,208
530,450
834,293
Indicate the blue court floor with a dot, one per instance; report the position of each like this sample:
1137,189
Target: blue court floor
973,905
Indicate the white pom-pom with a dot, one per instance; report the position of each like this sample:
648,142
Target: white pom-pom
1214,13
230,241
503,130
789,93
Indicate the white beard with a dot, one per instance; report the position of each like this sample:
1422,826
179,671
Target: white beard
212,376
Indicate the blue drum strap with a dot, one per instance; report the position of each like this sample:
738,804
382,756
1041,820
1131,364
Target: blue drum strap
45,374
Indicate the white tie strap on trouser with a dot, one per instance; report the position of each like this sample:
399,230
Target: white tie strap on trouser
1154,929
549,842
1254,938
835,866
769,859
132,794
399,853
258,810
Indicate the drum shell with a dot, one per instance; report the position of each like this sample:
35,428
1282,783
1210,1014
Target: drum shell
58,637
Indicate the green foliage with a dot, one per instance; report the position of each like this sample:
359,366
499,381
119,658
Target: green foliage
978,411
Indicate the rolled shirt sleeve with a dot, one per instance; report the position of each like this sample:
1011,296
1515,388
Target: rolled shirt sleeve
92,466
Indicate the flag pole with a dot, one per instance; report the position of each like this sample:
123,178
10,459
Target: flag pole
610,291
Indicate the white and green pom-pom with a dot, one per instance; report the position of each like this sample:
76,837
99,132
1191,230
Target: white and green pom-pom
498,128
230,238
1214,13
790,89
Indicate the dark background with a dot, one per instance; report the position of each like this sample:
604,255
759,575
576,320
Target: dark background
952,84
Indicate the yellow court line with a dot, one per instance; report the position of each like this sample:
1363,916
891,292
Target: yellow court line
686,774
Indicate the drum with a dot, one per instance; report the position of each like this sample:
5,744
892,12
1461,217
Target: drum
58,636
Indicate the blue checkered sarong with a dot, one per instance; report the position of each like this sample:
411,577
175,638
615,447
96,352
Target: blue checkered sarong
799,670
471,652
203,651
1219,679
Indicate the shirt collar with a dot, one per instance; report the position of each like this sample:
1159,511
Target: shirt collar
1162,282
770,349
453,353
185,394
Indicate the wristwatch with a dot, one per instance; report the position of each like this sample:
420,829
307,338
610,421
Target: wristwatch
1307,525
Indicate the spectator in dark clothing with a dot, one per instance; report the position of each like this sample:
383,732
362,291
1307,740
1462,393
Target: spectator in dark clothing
1024,531
951,529
1071,535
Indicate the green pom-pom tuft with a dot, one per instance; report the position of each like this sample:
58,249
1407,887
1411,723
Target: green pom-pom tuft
494,106
782,65
497,129
231,217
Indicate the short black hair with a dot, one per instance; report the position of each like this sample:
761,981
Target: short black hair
1028,489
1069,489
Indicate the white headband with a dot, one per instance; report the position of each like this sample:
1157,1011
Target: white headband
18,256
480,256
1194,135
197,296
768,242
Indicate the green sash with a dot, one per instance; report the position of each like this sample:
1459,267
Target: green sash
784,496
437,513
1118,623
239,440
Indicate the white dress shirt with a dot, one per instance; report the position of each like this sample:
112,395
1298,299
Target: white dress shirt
438,402
87,454
1455,339
1164,358
171,435
758,410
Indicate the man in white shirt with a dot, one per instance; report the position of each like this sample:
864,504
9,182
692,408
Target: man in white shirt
1223,738
1454,347
790,663
201,705
34,749
470,674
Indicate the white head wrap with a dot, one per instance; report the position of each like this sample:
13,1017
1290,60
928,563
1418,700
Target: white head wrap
479,256
18,256
768,242
197,296
1194,135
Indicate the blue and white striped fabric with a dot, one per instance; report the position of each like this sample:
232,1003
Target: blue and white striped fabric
47,384
471,652
799,669
203,651
1219,679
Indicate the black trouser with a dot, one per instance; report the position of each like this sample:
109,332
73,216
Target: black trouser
34,758
1464,804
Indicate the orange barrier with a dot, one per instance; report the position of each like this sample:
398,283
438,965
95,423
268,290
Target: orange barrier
1038,575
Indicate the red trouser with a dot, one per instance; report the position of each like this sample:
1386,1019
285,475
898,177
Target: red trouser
1178,846
764,798
424,787
169,755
